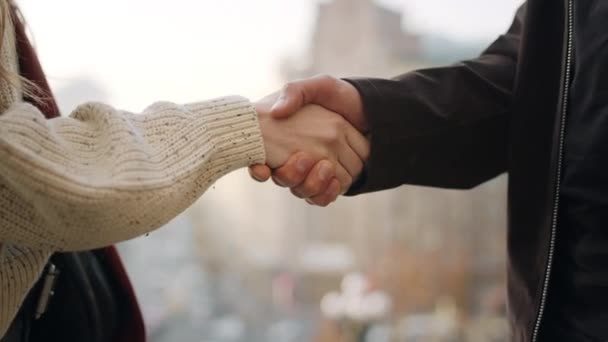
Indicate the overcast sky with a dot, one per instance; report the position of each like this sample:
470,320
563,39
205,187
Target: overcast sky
185,50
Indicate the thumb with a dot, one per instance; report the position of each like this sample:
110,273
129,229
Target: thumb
259,172
297,94
288,102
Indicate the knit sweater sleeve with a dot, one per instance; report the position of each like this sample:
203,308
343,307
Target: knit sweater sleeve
102,175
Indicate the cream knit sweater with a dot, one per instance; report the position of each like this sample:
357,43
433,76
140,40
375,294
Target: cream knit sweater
102,175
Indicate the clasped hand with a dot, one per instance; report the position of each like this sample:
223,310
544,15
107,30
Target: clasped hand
314,138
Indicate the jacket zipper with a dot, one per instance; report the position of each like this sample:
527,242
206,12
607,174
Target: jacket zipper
562,130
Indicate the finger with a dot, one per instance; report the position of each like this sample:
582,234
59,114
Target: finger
260,172
350,161
358,142
297,94
294,171
317,181
329,196
345,179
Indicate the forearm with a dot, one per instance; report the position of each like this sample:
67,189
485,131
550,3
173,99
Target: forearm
104,176
443,127
439,127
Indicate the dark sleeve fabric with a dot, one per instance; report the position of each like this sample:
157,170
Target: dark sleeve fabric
442,127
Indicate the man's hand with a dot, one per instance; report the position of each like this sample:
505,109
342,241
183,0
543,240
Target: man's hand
331,93
326,137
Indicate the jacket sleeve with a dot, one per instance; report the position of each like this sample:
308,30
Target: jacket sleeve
102,175
442,127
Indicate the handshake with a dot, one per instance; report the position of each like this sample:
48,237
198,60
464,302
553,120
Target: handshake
314,137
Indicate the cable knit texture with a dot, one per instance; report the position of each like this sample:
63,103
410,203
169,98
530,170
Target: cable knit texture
102,175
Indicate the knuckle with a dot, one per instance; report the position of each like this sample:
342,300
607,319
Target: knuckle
332,135
297,193
326,78
284,182
313,187
277,182
287,178
292,178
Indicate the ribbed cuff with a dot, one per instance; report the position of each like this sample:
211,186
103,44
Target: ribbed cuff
234,133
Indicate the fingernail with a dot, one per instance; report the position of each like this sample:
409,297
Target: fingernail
303,164
325,172
333,191
278,182
253,174
279,102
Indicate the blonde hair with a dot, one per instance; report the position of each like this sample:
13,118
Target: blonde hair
13,79
5,20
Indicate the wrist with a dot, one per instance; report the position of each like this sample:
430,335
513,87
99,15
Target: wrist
273,148
356,115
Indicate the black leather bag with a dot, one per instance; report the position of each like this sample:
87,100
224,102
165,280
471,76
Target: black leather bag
83,305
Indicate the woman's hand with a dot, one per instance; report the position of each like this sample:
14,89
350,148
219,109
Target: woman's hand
330,147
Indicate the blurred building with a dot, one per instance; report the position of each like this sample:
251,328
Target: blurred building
357,37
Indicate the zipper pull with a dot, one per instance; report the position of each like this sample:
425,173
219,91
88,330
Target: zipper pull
47,292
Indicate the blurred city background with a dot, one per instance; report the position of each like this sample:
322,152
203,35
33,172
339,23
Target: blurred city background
248,262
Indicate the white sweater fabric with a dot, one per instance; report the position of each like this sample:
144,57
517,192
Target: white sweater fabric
102,175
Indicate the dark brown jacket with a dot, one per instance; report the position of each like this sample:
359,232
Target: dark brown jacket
464,124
